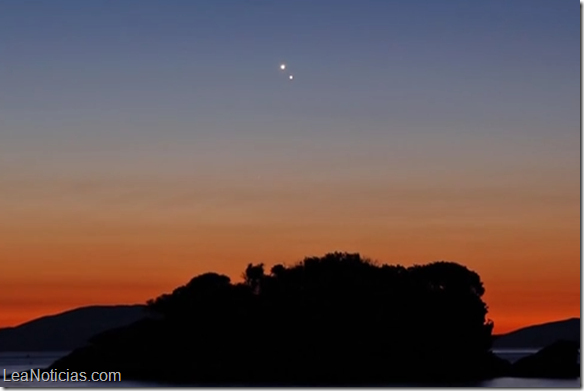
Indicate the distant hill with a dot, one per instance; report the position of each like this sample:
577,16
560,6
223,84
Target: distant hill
538,336
67,330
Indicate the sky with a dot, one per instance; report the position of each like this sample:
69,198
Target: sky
145,142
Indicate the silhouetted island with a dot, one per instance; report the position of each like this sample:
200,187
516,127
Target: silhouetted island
332,320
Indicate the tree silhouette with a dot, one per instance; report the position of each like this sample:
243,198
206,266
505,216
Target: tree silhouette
253,276
338,319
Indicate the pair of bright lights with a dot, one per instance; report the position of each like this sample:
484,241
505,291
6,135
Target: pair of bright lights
283,68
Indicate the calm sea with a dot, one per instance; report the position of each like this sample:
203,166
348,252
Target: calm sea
22,361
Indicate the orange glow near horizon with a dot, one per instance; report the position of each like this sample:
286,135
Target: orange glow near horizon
510,308
106,232
133,262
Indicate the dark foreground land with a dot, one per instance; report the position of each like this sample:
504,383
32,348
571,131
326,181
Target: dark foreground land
333,320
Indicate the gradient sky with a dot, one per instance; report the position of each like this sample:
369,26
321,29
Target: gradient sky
144,142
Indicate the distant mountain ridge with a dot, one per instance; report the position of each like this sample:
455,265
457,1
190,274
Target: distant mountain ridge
67,330
540,335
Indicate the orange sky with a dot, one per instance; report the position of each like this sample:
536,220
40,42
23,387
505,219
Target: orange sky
74,243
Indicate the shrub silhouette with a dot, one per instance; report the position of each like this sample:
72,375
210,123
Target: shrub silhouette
332,320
